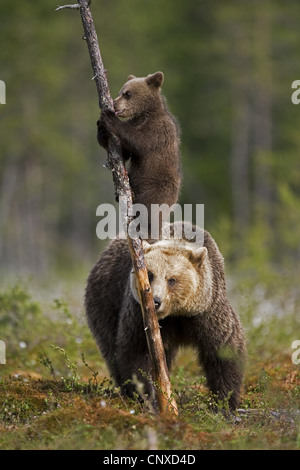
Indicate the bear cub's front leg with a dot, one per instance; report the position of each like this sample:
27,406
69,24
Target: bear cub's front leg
106,127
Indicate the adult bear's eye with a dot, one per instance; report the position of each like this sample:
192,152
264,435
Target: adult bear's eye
172,281
127,95
150,276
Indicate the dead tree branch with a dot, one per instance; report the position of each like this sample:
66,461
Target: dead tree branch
74,7
115,163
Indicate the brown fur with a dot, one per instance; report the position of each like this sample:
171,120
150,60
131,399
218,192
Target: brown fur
189,290
149,138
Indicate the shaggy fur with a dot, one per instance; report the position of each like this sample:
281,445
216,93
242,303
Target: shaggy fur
188,285
150,140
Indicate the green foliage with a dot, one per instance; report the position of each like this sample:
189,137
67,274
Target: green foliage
28,327
18,314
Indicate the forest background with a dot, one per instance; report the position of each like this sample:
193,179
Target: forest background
229,68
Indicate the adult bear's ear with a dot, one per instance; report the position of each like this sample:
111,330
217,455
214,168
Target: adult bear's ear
155,80
197,255
131,77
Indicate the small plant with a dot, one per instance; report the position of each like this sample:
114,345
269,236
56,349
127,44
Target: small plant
104,388
70,382
93,382
46,361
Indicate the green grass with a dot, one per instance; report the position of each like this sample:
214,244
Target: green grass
55,391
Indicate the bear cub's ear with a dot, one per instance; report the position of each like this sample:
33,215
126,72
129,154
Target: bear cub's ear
131,77
155,80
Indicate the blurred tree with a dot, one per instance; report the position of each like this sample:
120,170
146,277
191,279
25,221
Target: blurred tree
262,107
228,72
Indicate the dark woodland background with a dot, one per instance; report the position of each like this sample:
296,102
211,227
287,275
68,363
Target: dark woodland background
229,68
228,71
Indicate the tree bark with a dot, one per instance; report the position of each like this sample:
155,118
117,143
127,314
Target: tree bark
115,163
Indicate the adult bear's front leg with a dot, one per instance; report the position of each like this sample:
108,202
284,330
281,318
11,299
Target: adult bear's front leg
132,355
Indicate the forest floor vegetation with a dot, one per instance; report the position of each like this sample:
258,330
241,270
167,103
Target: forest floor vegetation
55,390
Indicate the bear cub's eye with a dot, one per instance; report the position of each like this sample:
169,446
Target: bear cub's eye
172,281
127,95
150,276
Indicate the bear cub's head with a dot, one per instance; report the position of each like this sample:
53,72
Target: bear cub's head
139,95
180,275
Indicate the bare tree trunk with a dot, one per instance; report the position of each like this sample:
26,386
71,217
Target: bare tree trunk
121,182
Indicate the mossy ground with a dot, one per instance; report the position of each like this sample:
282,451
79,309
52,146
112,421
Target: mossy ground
55,392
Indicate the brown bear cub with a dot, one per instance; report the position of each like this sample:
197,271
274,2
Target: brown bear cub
149,136
189,291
